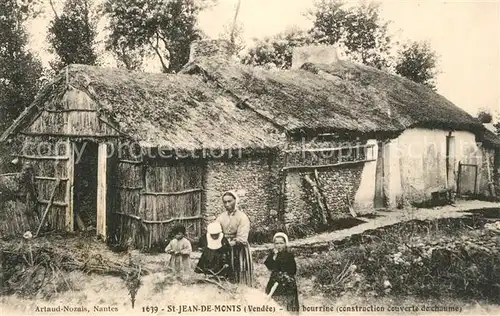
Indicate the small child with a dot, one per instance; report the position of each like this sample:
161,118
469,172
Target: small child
214,260
179,250
283,268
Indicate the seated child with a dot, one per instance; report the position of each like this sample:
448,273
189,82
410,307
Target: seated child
179,250
214,260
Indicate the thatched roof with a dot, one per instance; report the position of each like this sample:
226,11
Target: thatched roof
172,111
246,107
299,99
490,139
411,104
337,98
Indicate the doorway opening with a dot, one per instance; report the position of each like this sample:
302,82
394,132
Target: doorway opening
85,186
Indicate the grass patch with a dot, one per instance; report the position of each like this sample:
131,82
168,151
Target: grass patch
446,258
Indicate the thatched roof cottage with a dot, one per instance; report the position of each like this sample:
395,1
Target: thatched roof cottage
131,153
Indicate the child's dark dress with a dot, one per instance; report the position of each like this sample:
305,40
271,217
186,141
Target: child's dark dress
212,261
283,271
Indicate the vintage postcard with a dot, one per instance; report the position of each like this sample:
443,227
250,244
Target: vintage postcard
260,157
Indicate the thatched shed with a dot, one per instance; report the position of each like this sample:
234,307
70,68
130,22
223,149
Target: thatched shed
131,146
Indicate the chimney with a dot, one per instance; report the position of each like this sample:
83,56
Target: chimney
314,54
211,48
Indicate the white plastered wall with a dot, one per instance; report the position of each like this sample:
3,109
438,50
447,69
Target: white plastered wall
363,200
415,163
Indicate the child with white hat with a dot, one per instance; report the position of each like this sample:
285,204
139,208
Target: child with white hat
214,260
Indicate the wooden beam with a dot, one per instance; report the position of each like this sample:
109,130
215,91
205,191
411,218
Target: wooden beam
187,218
101,189
128,215
55,203
69,110
113,127
129,188
18,121
328,149
130,161
174,193
42,157
327,166
12,174
51,178
69,135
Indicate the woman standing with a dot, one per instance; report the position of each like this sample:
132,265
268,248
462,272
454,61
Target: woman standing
236,226
283,268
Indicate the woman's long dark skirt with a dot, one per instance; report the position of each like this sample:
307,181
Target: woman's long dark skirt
242,265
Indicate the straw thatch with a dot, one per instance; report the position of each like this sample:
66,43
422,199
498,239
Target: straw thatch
412,104
217,103
159,110
341,97
490,139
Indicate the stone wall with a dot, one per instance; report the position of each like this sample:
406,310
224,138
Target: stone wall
256,177
339,185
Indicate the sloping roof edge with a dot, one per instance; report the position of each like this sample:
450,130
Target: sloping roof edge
29,112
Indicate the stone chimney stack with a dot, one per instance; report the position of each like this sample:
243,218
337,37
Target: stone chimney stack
211,48
314,54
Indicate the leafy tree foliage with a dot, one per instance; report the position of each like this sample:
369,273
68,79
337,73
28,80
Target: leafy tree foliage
359,29
359,32
234,35
276,51
417,62
164,28
19,68
72,34
484,117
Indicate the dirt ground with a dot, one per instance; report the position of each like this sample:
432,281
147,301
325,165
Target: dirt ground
390,217
159,290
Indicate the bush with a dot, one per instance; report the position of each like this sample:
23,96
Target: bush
415,259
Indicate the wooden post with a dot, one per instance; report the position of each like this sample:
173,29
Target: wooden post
101,189
475,181
70,169
491,184
51,200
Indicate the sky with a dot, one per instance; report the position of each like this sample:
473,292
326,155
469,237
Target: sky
465,35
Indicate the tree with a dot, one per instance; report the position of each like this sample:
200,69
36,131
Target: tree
277,50
358,32
164,28
19,68
234,34
417,62
484,117
72,34
359,29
